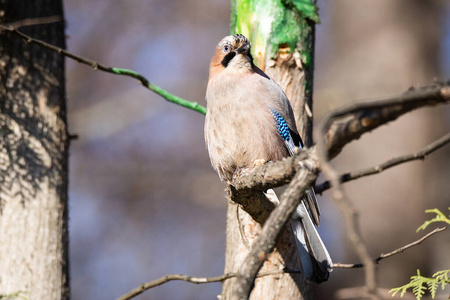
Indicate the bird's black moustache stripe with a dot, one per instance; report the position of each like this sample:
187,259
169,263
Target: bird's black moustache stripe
226,60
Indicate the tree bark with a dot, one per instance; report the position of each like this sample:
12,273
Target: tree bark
288,61
242,231
33,156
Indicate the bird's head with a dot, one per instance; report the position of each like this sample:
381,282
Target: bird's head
233,51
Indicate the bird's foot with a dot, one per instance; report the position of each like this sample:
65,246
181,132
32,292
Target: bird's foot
259,162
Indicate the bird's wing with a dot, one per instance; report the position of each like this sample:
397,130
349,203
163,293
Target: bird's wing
290,142
315,260
281,110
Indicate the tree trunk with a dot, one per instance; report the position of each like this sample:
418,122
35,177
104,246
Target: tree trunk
33,156
282,45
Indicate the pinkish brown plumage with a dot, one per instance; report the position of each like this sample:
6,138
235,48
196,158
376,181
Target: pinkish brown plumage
249,119
239,131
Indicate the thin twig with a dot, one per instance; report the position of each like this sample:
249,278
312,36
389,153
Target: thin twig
347,266
32,22
117,71
352,226
351,222
396,251
200,280
421,154
196,280
400,250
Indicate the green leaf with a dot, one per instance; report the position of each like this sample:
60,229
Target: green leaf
440,217
396,290
432,287
421,284
418,285
442,277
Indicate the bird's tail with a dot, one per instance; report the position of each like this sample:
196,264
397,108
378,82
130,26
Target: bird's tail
315,260
314,257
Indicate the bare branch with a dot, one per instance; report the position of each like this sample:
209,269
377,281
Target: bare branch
421,154
351,225
201,280
347,266
332,137
117,71
196,280
400,250
32,22
248,184
396,251
364,117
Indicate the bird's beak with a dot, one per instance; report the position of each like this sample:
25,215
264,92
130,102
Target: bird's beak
244,49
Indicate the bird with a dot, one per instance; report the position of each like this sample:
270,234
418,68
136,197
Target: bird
249,120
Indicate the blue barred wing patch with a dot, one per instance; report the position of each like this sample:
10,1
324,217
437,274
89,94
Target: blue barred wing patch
284,131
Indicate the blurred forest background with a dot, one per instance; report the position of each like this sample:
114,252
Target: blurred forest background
144,200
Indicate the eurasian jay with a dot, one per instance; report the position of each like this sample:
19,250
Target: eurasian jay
249,119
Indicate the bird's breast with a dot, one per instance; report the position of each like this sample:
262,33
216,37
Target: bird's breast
239,129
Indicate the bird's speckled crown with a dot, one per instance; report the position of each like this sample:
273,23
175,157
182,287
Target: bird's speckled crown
235,40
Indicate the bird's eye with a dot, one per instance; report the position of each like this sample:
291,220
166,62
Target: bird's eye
226,48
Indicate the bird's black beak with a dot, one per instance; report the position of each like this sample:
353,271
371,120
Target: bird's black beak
244,49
